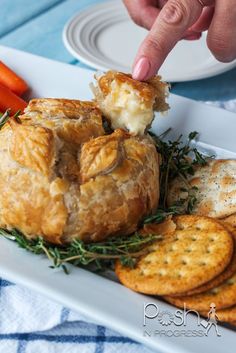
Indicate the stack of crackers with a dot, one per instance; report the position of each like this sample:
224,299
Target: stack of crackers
194,265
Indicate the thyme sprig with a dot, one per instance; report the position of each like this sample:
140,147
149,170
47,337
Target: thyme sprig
177,160
7,115
78,253
4,118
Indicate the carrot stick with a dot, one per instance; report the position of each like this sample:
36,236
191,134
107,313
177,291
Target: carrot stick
11,80
8,99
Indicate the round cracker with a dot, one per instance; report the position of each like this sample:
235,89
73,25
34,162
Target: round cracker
198,250
216,188
231,220
226,315
227,273
224,296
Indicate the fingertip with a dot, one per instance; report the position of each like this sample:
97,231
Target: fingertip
141,70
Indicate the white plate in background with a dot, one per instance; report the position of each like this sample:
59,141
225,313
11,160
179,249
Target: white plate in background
104,37
100,298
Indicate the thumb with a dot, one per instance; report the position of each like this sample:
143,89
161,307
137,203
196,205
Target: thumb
174,19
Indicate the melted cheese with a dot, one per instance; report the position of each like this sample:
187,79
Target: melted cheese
126,109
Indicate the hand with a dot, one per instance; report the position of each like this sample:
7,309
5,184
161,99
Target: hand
169,21
145,12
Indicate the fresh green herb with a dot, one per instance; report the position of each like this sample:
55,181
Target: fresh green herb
177,160
127,249
16,117
6,116
161,214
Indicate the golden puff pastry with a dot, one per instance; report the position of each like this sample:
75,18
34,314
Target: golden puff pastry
62,178
73,121
130,104
119,186
38,164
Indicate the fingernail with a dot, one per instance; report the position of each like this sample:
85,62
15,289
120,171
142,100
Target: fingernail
141,69
192,37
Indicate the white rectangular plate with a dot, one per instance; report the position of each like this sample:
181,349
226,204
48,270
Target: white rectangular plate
102,299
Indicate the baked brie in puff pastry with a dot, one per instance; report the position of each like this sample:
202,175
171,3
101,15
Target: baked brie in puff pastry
63,178
130,104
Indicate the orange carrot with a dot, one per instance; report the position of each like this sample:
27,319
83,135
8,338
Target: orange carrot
11,80
8,99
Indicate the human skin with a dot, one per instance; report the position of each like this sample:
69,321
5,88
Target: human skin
168,21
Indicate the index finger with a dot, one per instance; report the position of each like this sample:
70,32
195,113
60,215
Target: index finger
174,19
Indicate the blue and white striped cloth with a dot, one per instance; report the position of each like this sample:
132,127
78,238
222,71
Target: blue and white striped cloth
31,323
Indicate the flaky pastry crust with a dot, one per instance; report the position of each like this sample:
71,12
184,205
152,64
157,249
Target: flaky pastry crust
62,178
130,104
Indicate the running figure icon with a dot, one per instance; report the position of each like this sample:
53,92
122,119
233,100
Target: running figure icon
212,319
